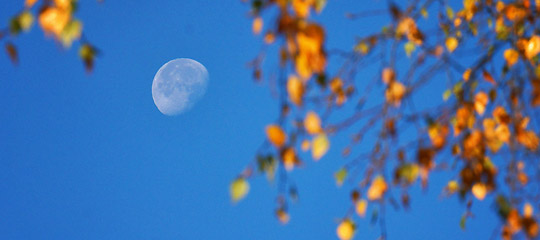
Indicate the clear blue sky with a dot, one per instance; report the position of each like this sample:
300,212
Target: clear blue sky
91,157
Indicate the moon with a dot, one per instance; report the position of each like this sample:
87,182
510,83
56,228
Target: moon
178,85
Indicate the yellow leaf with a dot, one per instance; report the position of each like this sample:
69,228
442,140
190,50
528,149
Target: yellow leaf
345,230
527,210
452,187
532,47
63,4
257,25
71,32
361,207
377,189
479,190
295,88
312,123
239,189
451,44
319,146
301,7
480,101
29,3
53,20
511,56
394,93
26,19
276,135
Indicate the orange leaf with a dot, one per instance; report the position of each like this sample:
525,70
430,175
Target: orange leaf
361,207
301,7
53,20
377,189
532,47
394,93
488,77
388,75
511,56
276,135
257,25
312,123
282,216
289,159
29,3
481,99
467,74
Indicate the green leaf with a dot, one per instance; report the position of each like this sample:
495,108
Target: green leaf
239,189
71,32
319,5
26,19
462,221
408,172
449,12
447,94
340,176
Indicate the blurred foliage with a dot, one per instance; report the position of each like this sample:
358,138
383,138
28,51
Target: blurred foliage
56,18
484,131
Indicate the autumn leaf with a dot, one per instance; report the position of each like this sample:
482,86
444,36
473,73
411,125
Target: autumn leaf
312,123
451,44
269,38
452,187
12,52
282,216
319,146
511,56
395,92
388,75
26,20
488,77
345,230
481,99
301,7
467,74
71,32
305,145
340,176
53,20
532,47
361,207
529,139
257,25
276,135
88,54
377,189
479,190
239,189
289,159
295,88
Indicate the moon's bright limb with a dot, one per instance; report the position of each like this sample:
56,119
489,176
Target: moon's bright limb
178,85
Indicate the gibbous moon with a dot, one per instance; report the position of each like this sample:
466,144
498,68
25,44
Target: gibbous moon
178,85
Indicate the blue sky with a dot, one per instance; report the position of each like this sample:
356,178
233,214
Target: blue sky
90,156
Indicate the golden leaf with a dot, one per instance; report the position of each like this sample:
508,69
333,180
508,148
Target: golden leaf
451,44
481,99
532,47
276,135
394,93
289,159
479,190
377,189
320,146
269,38
345,230
301,7
361,207
257,25
511,56
239,189
295,88
26,19
63,4
452,187
53,20
312,123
